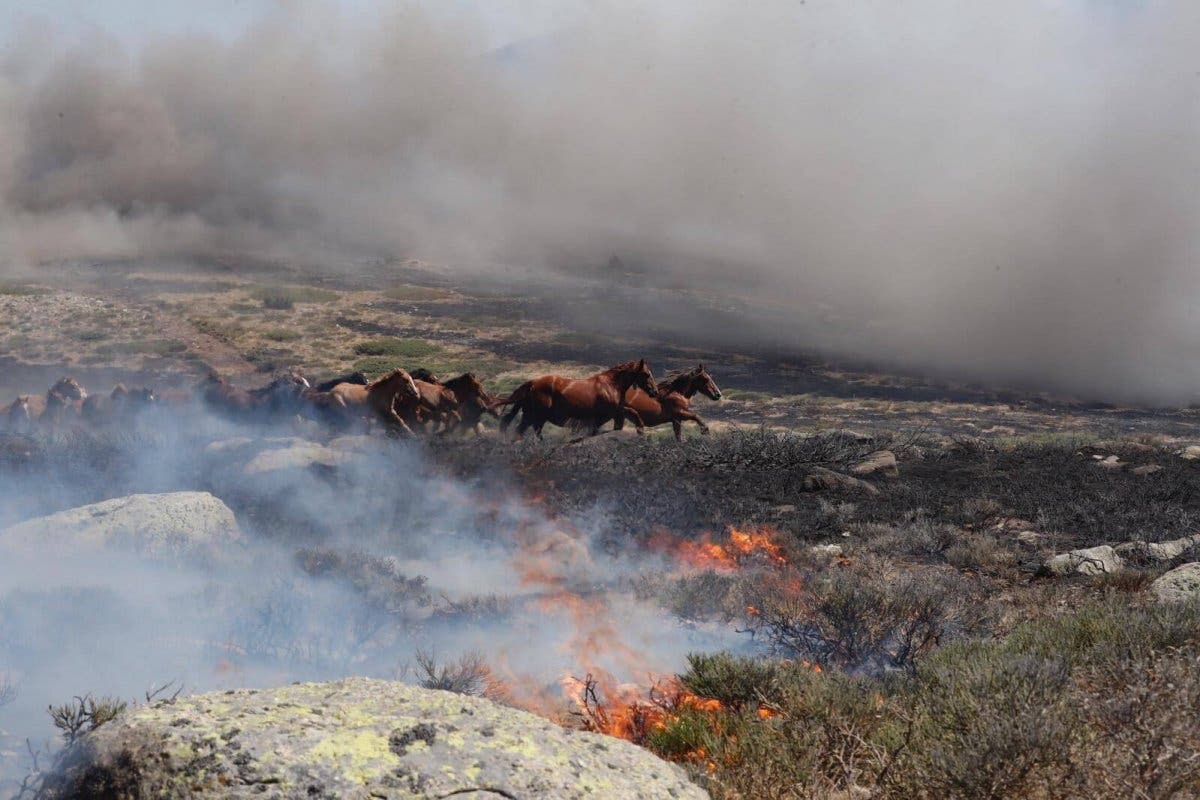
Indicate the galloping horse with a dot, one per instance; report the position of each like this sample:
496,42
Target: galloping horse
437,404
223,396
673,403
99,409
358,378
473,402
594,400
28,409
381,397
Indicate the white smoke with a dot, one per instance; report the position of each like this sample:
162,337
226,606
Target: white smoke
1003,192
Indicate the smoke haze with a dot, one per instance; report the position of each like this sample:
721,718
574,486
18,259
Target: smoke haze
1001,192
349,571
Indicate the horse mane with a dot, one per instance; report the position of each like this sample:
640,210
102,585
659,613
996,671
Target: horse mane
465,378
624,366
677,382
382,380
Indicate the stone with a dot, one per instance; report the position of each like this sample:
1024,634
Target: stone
157,525
1191,452
357,739
1179,585
1087,561
1157,551
1146,469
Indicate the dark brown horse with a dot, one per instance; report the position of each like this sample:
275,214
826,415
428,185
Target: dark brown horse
673,403
49,409
473,402
119,404
381,398
281,394
359,378
594,400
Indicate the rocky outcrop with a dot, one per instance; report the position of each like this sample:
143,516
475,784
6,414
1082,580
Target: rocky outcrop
1107,558
1179,585
157,525
1086,561
1157,551
356,739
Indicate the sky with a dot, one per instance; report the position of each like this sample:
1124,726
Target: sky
134,21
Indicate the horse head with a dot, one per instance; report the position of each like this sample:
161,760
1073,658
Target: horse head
638,375
702,382
401,383
422,374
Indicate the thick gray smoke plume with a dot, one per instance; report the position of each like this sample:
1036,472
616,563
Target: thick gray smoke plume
1000,191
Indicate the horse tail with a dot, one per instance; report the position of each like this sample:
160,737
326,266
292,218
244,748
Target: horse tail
516,400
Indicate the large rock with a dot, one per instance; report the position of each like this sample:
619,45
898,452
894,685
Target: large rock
357,739
1087,561
1178,585
170,524
1157,551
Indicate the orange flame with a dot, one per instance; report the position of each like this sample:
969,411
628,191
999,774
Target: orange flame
740,547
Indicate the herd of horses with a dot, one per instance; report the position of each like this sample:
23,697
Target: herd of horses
401,401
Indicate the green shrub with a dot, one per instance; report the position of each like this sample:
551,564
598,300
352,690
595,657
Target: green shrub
990,724
396,348
737,682
284,298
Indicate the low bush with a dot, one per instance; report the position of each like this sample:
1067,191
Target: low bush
396,348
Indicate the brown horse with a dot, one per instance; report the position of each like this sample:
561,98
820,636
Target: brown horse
594,400
673,403
49,408
120,403
381,397
359,378
278,395
473,402
437,404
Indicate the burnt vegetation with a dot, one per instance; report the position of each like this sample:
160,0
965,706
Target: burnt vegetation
904,643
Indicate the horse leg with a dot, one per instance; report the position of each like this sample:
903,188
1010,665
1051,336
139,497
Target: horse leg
684,416
398,422
626,411
678,426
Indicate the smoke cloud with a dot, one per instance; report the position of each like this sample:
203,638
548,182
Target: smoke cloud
1000,192
346,571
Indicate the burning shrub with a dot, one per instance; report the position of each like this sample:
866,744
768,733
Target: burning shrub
735,682
814,734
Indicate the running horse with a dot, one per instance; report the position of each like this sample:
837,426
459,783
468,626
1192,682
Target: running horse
28,409
473,402
381,397
673,403
594,400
